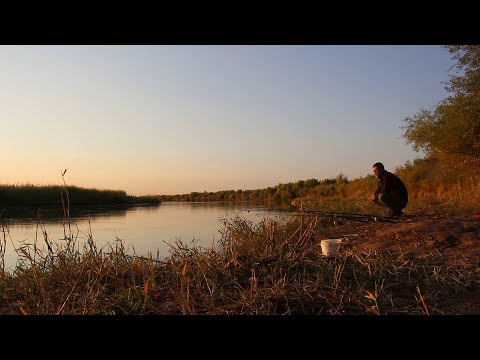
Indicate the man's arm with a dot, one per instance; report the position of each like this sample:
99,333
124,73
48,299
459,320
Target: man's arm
374,197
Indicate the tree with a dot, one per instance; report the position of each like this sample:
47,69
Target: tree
468,64
452,129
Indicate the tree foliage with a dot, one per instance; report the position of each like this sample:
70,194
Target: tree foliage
466,81
452,129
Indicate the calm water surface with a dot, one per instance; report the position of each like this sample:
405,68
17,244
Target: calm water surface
141,228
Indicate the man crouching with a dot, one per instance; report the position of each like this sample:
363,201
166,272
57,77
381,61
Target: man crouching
391,191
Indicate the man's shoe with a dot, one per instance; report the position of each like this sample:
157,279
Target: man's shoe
394,213
397,213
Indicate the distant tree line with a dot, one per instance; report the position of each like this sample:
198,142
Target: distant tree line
280,194
32,195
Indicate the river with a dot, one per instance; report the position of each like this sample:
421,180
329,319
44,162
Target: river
141,229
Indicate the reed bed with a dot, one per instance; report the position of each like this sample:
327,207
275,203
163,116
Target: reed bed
262,268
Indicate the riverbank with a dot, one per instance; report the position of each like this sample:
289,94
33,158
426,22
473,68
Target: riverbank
407,267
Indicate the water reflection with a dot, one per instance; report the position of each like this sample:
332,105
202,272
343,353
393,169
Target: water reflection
50,214
141,228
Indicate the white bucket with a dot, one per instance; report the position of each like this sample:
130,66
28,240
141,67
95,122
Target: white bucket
330,247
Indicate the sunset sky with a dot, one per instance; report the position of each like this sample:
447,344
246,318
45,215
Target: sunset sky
177,119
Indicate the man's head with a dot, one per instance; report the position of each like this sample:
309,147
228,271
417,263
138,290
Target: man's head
378,169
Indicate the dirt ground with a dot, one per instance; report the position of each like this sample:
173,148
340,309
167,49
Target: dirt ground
420,237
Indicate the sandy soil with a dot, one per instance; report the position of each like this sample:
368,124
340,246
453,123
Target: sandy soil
420,237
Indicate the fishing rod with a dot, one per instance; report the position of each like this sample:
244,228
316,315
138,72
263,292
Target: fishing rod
335,214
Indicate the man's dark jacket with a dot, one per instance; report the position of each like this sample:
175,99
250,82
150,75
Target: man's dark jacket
390,184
